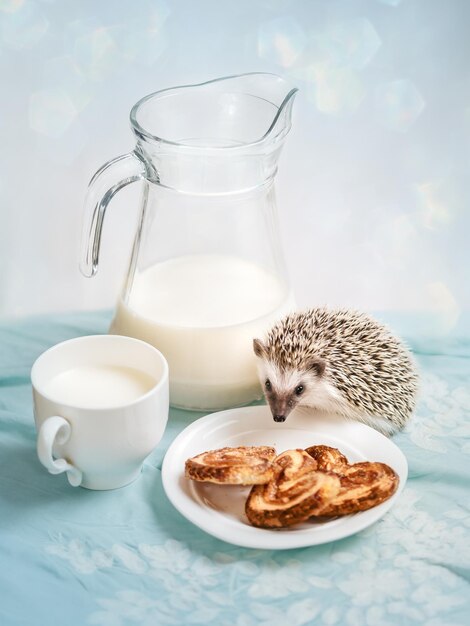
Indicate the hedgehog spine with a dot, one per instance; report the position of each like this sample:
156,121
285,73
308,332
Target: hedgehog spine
339,361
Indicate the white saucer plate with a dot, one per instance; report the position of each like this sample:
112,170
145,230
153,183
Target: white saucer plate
219,510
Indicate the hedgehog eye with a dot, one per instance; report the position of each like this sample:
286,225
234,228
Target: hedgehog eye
299,390
267,384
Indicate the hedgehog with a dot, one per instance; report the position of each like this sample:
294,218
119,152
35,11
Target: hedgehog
338,361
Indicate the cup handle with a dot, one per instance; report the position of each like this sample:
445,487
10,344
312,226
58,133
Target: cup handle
56,429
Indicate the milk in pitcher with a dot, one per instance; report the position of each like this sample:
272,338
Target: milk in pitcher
202,312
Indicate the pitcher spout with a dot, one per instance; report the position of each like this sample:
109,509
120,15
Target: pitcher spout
227,112
282,121
266,89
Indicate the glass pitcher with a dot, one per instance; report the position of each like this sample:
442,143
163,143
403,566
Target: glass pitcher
206,273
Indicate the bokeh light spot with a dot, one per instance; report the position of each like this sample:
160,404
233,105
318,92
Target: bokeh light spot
103,50
398,104
334,90
23,27
143,42
281,40
51,112
144,38
433,204
352,43
10,6
97,53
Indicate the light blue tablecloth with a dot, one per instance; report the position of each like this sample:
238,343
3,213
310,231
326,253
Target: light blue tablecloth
126,557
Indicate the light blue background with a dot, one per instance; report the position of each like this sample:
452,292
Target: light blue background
373,180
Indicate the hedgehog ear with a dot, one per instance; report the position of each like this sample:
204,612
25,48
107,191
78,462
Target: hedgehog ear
317,366
259,348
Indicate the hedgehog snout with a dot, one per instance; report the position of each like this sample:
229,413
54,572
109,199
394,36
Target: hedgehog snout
280,405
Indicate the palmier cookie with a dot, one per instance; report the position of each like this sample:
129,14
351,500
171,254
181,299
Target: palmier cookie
328,459
296,492
362,486
245,465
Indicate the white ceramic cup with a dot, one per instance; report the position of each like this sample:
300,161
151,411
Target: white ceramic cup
99,448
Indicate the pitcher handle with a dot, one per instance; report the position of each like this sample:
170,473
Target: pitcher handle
108,180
